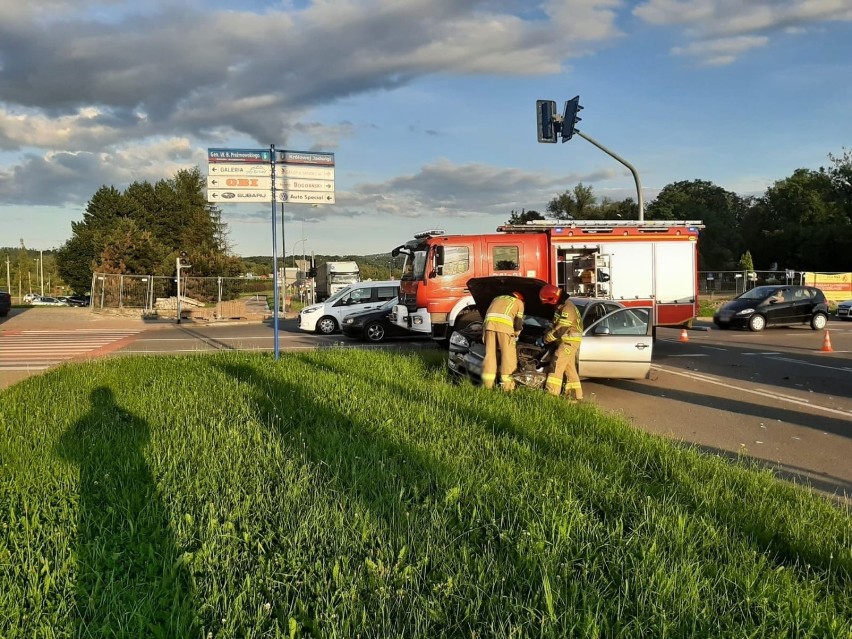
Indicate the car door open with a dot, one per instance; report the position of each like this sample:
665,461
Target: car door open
618,346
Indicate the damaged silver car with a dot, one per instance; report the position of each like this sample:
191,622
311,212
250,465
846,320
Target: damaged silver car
617,340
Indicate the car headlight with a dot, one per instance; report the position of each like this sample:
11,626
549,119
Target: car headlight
310,309
348,320
457,339
746,311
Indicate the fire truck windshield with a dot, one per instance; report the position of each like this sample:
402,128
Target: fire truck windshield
415,264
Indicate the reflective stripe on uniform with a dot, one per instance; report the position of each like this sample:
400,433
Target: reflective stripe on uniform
505,316
500,318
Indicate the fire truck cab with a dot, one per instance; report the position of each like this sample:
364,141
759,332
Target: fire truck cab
635,263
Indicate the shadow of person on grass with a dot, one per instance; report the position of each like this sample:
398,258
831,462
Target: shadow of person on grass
129,580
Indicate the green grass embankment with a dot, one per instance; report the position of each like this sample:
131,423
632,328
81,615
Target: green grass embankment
345,493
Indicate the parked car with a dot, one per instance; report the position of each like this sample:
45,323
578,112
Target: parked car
44,300
5,303
29,297
374,325
844,310
616,343
774,305
79,300
326,316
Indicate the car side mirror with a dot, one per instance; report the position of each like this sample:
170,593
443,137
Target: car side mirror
602,330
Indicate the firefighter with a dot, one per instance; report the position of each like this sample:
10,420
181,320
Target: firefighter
503,323
565,334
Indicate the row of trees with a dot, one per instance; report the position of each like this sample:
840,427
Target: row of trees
803,222
144,229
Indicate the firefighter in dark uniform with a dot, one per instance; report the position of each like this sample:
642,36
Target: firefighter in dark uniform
566,333
503,323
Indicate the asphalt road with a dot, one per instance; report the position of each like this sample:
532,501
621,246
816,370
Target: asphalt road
773,396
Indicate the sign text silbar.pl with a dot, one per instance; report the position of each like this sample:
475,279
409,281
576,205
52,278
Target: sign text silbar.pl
304,171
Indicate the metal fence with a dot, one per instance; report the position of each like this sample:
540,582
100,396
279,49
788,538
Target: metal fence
211,297
732,283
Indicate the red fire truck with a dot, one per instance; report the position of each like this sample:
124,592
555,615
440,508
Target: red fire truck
633,262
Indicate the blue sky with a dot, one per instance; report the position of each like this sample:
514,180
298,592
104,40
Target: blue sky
428,105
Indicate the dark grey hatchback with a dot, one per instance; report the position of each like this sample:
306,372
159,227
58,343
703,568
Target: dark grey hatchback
779,305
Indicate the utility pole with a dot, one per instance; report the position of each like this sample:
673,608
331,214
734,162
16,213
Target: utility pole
41,270
8,279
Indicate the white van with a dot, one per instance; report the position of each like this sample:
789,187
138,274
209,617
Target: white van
326,317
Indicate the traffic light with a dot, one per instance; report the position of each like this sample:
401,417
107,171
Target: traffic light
183,261
547,127
569,118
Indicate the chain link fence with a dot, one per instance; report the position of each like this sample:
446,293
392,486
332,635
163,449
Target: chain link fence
210,298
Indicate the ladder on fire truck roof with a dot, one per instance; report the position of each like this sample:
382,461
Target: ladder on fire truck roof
538,225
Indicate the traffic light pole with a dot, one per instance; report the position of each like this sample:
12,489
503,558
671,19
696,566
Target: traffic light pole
625,163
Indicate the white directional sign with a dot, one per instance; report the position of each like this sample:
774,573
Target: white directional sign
245,175
238,182
226,196
262,170
302,171
305,197
305,185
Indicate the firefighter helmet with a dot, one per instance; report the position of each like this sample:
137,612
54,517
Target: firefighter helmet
549,294
520,296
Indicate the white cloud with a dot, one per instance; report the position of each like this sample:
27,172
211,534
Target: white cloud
720,31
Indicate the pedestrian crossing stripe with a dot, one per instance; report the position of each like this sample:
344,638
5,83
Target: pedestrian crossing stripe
29,350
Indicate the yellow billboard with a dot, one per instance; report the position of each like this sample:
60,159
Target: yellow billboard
836,286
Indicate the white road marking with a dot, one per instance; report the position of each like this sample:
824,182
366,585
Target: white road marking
769,395
845,369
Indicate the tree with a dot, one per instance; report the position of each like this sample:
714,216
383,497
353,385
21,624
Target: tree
577,204
803,222
746,263
143,230
524,216
720,211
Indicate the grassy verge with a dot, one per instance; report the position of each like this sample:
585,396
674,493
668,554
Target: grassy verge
345,493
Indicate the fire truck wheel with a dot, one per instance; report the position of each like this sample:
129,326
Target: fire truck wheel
326,325
467,320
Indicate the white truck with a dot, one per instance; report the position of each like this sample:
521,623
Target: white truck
335,276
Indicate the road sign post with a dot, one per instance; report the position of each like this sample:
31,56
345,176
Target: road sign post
247,176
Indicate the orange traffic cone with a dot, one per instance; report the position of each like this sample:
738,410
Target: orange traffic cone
683,336
826,344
